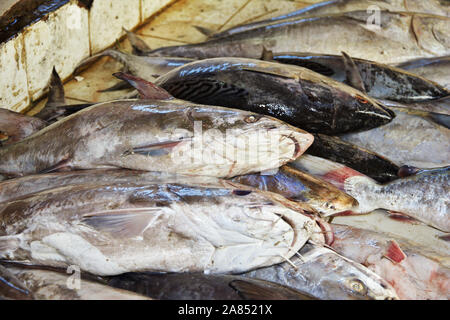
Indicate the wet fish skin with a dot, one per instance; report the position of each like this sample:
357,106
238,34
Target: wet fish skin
436,69
327,275
15,126
299,186
156,135
407,140
421,274
199,286
338,6
423,196
293,94
402,36
51,285
365,161
380,81
191,226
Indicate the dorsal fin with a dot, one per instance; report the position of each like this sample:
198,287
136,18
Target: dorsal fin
353,77
205,31
147,90
266,55
56,96
139,45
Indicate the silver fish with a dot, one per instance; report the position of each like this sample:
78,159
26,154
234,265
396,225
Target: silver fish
196,225
398,37
52,285
338,6
326,275
415,272
158,135
424,196
408,139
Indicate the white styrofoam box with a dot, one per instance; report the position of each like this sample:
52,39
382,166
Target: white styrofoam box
13,82
107,17
150,7
62,41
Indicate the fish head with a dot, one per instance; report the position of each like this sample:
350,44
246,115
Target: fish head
255,138
343,279
356,106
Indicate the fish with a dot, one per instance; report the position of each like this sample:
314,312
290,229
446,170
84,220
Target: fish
171,225
157,135
436,69
15,126
358,158
431,109
408,139
379,81
326,275
415,271
53,285
299,186
397,37
423,196
338,6
200,286
296,95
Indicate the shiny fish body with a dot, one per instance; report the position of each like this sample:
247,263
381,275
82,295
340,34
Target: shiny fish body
338,6
301,187
436,69
399,37
195,226
293,94
51,285
407,140
154,135
420,275
327,275
424,196
200,286
380,81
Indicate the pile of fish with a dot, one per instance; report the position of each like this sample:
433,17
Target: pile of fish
218,175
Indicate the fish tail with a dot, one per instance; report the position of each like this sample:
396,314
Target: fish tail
363,189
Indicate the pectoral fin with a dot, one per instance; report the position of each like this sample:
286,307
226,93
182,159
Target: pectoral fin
11,287
394,252
155,149
146,89
248,290
139,45
125,223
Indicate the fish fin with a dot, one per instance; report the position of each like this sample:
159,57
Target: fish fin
146,89
56,96
139,46
205,31
266,55
127,223
249,291
445,237
62,165
394,252
399,216
353,77
351,184
122,85
13,287
155,149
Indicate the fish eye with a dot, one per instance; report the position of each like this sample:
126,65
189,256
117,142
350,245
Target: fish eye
251,119
361,99
358,286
